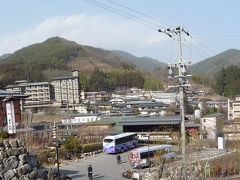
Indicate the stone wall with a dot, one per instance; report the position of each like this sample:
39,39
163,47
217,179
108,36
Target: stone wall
14,161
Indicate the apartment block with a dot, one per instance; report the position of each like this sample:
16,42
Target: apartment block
234,108
67,90
38,94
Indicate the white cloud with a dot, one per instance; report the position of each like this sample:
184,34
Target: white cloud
99,31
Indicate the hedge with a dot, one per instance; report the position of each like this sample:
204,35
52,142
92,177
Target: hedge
4,134
91,147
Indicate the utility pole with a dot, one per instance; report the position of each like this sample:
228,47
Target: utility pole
56,143
182,80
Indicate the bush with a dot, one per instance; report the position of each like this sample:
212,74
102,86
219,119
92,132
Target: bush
91,147
4,134
44,155
72,144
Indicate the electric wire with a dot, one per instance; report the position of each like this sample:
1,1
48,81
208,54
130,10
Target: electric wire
149,24
138,12
123,13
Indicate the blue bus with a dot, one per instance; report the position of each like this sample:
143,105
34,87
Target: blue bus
120,143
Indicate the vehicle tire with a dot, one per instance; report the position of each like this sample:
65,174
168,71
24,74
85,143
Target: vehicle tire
133,146
122,150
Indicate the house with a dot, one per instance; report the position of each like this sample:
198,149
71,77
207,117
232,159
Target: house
10,110
117,101
218,104
212,125
95,96
167,98
231,130
81,108
136,103
193,129
67,90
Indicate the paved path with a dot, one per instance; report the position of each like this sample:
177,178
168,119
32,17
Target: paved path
104,167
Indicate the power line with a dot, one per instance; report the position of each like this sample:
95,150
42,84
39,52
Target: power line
123,13
138,12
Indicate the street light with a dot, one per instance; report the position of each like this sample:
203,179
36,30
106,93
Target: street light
56,143
148,136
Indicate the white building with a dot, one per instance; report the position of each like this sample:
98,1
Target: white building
167,98
81,108
80,118
211,125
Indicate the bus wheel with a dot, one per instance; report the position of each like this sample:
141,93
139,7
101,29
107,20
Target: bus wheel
133,146
122,150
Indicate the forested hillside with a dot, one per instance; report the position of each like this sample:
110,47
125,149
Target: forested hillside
58,57
228,81
145,63
211,66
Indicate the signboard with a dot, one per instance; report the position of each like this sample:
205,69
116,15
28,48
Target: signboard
221,143
11,118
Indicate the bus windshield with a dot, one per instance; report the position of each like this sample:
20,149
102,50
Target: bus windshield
108,140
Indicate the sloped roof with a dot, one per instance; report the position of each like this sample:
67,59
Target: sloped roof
162,120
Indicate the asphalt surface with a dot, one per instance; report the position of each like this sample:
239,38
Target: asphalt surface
104,167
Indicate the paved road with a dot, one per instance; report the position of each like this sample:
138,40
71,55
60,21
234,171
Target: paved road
104,167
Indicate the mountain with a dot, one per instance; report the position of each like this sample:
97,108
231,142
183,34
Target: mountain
211,66
60,53
145,63
4,56
58,57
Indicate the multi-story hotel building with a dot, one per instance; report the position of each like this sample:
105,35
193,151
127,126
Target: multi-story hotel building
39,94
67,90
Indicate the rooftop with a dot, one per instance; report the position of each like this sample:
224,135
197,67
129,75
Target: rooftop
215,115
65,77
162,120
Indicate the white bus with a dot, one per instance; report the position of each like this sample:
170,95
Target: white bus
138,157
120,143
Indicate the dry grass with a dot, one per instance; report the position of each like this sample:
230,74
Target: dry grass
49,117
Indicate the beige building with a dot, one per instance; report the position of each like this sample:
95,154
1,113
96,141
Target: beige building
231,130
39,94
212,125
67,90
234,108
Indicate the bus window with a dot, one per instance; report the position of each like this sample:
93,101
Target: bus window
144,155
108,140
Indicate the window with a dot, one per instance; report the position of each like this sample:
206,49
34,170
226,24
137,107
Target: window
144,155
125,139
108,140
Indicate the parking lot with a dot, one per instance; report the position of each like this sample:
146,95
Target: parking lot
104,167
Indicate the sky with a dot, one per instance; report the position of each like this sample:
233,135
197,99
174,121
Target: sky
130,25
